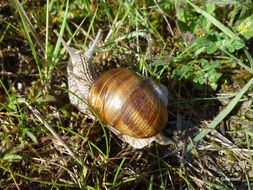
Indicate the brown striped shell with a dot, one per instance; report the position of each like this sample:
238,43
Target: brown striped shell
128,102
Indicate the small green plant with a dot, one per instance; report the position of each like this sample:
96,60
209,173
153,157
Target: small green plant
204,73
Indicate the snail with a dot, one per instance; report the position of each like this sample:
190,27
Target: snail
132,106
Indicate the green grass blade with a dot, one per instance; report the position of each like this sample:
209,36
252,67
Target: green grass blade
63,26
97,148
117,172
237,61
4,32
249,57
47,30
221,115
26,21
27,26
92,24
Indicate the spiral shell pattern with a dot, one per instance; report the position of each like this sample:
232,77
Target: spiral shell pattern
129,103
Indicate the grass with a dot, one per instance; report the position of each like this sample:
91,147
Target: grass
201,51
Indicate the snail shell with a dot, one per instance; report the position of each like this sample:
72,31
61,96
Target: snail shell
128,102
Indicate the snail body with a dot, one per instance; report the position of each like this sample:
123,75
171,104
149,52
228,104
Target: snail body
133,107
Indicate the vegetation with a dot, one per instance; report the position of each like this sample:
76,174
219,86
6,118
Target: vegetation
200,50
